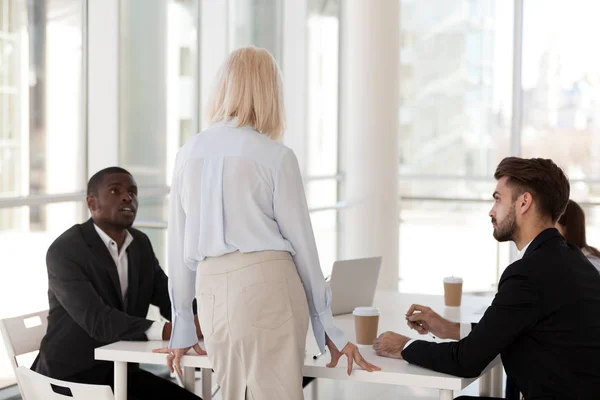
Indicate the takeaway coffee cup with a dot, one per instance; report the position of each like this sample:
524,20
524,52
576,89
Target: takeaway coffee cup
366,321
453,291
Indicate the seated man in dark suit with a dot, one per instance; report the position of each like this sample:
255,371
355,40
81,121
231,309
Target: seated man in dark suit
545,318
102,277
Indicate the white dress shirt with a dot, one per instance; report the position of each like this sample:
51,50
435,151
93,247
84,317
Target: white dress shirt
120,259
465,328
521,253
235,189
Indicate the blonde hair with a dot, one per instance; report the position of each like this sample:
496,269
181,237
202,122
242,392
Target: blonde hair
249,87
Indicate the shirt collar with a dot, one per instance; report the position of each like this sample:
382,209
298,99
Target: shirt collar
108,240
521,253
231,123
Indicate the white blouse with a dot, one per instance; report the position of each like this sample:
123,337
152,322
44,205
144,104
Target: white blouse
235,189
593,259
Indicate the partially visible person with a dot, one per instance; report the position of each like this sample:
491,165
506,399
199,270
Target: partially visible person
241,240
545,319
572,226
102,277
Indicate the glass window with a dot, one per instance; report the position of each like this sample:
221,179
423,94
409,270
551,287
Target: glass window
257,23
325,227
455,117
41,136
23,249
151,218
26,252
561,78
444,238
456,235
592,220
158,97
42,143
455,91
321,193
158,60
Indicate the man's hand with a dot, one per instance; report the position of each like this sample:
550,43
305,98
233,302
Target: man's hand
352,353
424,320
167,329
390,344
198,329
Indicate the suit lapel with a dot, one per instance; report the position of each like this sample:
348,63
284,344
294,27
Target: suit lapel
101,252
134,263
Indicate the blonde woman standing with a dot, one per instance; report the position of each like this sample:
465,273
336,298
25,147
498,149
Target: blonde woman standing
240,235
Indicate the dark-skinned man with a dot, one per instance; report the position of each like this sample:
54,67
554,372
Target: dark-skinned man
102,277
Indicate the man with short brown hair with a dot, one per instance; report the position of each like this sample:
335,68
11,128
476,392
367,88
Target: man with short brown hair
545,318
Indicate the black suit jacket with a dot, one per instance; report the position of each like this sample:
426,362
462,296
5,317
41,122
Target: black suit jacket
544,321
86,306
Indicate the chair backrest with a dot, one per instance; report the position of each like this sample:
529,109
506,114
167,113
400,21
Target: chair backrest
23,334
39,387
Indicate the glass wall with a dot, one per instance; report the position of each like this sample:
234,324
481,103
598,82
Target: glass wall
455,117
41,139
42,144
561,88
158,84
456,61
24,280
561,96
158,98
441,238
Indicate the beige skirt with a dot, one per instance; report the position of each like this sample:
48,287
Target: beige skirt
254,317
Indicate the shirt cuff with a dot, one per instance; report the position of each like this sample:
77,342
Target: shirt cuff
408,344
183,334
465,329
323,324
155,331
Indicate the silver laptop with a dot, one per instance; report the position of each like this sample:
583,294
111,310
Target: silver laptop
353,284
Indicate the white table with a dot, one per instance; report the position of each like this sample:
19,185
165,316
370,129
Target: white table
393,307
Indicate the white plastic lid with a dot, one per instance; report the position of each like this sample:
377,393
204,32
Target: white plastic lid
366,311
453,279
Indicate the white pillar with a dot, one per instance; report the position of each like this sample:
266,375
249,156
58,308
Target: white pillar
103,85
369,94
